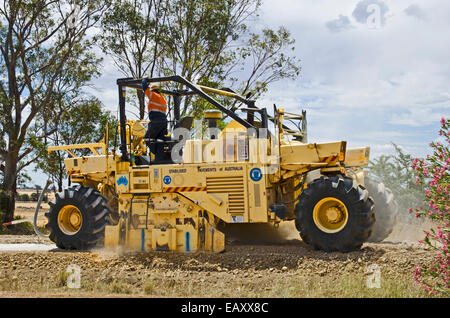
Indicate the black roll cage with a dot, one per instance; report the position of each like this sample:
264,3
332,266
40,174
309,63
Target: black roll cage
192,90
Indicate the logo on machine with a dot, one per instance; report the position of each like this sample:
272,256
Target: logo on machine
237,219
167,180
122,180
256,174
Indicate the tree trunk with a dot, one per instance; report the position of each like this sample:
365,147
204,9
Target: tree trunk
8,197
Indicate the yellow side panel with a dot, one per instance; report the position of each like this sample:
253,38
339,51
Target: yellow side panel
356,157
297,154
139,240
257,197
216,203
214,240
139,180
164,240
89,164
134,240
187,239
111,236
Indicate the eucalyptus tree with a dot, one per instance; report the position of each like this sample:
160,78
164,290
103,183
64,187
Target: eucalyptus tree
210,42
43,47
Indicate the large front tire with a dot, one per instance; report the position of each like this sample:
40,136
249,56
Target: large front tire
77,218
334,215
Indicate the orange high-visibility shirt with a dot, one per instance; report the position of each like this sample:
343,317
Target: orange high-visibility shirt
157,102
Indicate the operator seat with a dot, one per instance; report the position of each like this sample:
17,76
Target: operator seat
185,122
169,142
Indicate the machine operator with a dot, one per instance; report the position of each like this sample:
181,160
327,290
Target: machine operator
157,110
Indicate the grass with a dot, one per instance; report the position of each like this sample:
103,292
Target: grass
279,285
350,286
120,287
61,278
347,285
25,228
150,286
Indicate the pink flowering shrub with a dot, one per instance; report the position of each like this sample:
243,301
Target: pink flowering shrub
433,173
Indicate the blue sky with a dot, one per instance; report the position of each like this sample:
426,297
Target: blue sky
373,72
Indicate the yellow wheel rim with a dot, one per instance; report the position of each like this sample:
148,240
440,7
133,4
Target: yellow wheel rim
69,219
330,215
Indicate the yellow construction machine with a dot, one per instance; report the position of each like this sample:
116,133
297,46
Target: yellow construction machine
254,170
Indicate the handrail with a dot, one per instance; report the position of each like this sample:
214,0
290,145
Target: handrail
91,146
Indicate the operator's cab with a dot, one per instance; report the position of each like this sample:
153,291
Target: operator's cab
179,133
137,147
169,141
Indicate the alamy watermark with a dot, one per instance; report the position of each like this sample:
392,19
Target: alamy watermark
374,19
74,278
373,280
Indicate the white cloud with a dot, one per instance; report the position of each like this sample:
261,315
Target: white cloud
367,9
381,150
417,117
361,85
368,86
415,11
340,24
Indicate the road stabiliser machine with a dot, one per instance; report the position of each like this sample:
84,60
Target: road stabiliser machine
256,169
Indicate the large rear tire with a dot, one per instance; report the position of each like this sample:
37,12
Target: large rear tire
77,218
386,209
334,215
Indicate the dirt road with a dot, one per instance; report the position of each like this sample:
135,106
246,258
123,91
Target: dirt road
286,268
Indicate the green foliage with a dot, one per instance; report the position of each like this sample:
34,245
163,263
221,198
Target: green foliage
207,42
34,197
44,64
131,33
24,197
25,228
84,123
433,174
267,53
397,173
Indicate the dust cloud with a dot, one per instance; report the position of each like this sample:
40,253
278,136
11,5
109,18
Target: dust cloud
407,229
410,232
261,233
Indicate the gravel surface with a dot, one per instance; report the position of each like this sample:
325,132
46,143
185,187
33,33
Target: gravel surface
262,263
255,268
